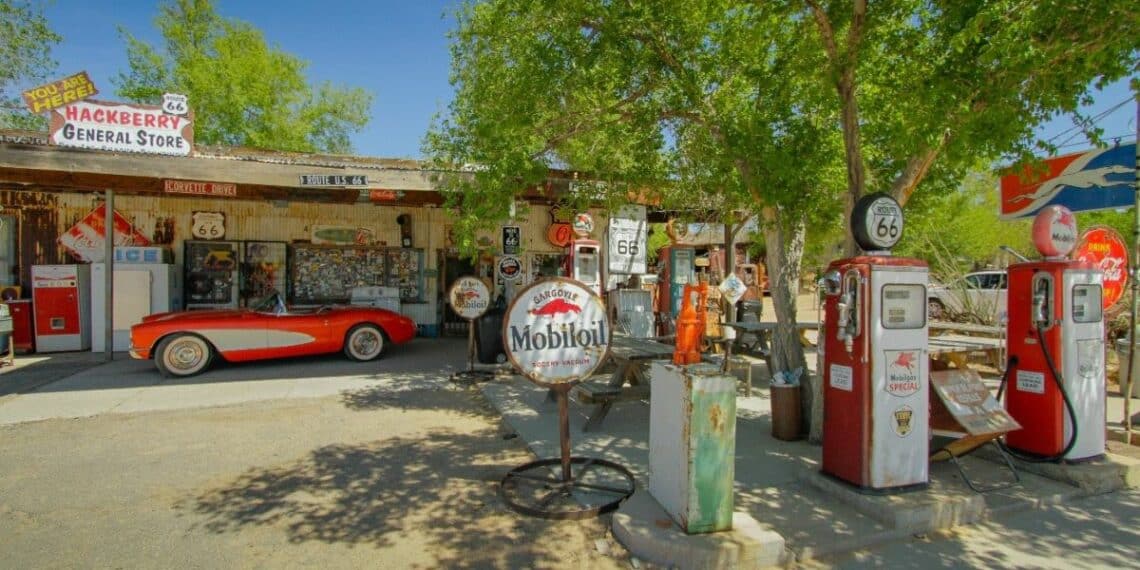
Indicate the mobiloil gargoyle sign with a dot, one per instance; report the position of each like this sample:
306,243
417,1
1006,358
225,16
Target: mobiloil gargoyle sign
557,332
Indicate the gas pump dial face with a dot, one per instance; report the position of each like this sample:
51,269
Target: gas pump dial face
877,222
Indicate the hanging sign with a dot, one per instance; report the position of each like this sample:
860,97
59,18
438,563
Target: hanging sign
512,240
732,288
469,297
557,332
627,239
1104,247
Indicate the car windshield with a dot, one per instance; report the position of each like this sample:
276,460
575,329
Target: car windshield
272,303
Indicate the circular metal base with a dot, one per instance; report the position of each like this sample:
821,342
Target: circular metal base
595,487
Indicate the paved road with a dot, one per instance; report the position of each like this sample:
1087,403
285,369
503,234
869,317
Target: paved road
314,463
332,464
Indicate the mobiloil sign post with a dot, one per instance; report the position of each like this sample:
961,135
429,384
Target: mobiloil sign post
469,298
1055,336
556,333
875,390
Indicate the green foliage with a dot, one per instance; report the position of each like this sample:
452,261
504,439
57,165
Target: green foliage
25,60
677,103
957,229
243,91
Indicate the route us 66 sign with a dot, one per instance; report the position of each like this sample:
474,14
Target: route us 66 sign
877,222
208,225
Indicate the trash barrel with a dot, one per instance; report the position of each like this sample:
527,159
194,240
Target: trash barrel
1122,349
786,411
489,337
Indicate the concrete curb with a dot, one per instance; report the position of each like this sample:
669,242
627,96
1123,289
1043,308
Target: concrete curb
912,512
1111,473
647,531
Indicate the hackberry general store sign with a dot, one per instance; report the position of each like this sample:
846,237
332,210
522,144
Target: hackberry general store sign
122,127
557,332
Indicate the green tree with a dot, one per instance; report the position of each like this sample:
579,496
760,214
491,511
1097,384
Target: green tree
956,229
243,91
790,110
707,108
25,61
929,89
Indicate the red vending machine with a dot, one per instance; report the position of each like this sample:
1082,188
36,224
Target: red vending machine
61,299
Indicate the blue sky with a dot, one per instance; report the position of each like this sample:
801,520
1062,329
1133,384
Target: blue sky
397,50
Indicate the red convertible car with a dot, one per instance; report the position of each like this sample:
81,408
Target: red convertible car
184,343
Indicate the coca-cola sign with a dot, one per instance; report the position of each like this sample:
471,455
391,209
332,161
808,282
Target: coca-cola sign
1104,247
557,332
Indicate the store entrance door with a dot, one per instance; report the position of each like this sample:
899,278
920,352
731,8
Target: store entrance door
454,267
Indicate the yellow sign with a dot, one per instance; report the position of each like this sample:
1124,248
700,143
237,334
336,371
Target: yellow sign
66,90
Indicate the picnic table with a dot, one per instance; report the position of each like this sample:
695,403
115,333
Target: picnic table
628,354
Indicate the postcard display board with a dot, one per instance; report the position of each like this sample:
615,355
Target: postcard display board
324,274
211,280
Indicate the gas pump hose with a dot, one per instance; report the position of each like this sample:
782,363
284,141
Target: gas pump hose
1064,396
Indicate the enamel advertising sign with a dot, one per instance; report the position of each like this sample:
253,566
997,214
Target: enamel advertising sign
1104,247
1098,179
469,297
87,238
557,332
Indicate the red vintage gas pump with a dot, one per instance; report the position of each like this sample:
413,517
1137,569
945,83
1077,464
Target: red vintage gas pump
583,259
875,390
583,263
1055,338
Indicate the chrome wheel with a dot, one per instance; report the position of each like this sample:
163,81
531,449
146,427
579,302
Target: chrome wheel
183,355
364,342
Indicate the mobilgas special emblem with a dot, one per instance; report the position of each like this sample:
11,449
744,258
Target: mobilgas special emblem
902,371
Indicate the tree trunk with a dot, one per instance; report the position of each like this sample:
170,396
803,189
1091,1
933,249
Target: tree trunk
785,243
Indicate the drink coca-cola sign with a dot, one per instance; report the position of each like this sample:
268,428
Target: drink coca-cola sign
557,331
1104,247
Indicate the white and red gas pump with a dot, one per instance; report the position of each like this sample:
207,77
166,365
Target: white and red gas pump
875,412
583,261
1055,339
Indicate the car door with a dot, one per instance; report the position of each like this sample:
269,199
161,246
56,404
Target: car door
299,332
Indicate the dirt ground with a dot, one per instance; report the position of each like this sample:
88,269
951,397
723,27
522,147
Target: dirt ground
399,476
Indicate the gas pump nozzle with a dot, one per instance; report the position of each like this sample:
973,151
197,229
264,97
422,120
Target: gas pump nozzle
1040,313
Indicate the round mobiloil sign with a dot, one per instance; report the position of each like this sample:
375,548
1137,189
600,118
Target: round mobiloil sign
469,297
1055,231
557,331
